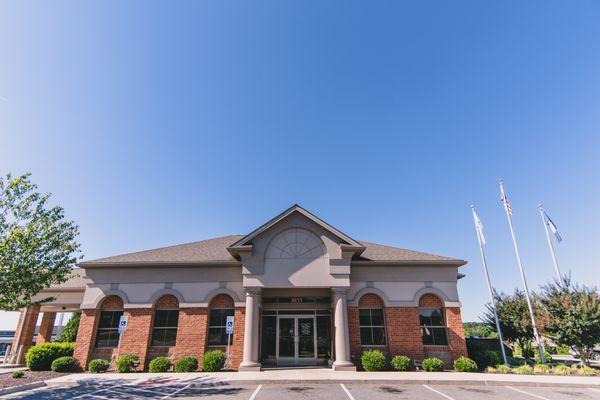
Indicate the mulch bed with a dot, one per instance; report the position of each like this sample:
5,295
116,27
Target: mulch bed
6,380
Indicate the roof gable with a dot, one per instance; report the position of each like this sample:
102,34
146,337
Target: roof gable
246,240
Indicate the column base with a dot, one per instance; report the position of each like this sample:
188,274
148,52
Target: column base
343,366
249,367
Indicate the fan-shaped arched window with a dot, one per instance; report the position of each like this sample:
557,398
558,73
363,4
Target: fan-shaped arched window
296,243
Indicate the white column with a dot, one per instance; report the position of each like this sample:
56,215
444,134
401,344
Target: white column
342,338
250,362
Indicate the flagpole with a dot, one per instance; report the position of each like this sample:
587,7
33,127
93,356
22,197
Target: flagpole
523,280
551,246
490,290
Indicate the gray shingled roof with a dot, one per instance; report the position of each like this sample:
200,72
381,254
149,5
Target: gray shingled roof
215,250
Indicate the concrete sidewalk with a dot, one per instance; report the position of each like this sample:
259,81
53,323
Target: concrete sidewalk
326,376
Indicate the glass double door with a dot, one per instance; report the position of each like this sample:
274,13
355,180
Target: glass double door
296,340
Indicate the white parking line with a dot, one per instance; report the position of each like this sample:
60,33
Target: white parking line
177,391
347,391
524,392
440,393
255,393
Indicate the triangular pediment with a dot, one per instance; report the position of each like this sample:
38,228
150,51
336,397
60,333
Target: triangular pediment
344,239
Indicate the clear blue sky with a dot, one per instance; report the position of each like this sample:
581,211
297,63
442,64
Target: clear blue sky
162,123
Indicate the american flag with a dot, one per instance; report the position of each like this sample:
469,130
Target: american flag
507,206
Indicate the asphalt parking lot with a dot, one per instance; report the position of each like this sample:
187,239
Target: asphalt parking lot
204,389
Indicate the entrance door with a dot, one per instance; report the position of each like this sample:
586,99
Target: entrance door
296,340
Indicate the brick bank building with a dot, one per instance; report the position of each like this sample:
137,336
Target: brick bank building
301,293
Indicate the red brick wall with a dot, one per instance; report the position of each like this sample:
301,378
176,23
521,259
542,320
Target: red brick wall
430,300
456,334
237,341
368,300
221,301
86,334
46,327
167,302
403,330
191,333
354,333
404,333
23,338
456,338
137,337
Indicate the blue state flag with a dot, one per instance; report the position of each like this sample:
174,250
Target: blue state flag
553,228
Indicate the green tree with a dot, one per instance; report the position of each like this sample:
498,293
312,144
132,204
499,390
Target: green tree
515,322
571,316
478,329
69,333
37,245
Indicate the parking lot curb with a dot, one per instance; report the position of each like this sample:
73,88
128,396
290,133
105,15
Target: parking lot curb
20,388
411,382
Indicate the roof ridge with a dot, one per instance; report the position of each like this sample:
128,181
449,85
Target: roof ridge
162,248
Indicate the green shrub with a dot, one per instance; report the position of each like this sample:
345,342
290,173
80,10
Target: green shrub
547,357
17,374
433,365
486,358
401,363
491,370
587,371
373,360
98,365
464,364
562,350
160,364
516,361
69,333
503,369
523,370
125,363
186,364
64,364
561,369
541,369
213,361
39,358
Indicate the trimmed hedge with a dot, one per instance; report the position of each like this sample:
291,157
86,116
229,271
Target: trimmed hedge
213,361
464,364
125,363
186,364
433,365
401,363
64,364
98,365
373,360
40,358
160,364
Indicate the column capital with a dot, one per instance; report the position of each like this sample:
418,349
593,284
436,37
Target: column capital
253,291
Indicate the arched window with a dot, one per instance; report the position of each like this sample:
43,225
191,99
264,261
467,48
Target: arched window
296,243
166,319
431,319
221,307
107,335
372,321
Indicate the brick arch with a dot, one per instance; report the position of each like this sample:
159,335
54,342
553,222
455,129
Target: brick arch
221,301
167,301
113,302
430,300
370,300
